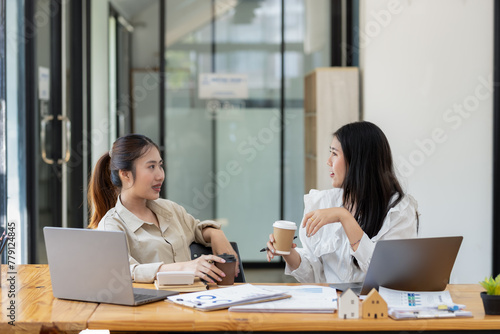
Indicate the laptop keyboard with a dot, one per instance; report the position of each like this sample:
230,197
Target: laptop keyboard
142,297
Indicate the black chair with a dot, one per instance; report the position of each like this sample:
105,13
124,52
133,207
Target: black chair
198,250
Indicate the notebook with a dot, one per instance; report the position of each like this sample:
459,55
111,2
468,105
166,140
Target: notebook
420,264
92,265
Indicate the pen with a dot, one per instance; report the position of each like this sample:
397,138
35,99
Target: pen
266,249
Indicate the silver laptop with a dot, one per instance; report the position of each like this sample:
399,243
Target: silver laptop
92,265
420,264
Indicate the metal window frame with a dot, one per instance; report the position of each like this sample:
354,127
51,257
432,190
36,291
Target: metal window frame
496,144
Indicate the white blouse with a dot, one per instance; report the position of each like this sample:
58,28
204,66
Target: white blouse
327,256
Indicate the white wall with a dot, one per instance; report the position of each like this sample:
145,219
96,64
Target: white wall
99,79
426,79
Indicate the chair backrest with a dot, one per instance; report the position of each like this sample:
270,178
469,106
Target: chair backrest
198,250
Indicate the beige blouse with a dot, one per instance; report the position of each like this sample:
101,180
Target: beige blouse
149,246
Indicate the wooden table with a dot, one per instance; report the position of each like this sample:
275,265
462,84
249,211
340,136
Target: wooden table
35,307
37,310
165,316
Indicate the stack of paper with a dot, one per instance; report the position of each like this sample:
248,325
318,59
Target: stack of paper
226,297
198,285
305,299
421,305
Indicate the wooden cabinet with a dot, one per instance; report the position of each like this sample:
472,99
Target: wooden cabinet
331,99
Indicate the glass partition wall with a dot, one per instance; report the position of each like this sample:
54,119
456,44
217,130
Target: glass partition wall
248,146
236,158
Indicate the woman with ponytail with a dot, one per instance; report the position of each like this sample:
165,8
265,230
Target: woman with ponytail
124,196
341,225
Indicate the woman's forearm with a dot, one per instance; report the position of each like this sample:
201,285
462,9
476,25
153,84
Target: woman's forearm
176,266
352,229
211,234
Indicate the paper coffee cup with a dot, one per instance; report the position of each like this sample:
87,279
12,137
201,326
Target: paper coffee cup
229,268
283,236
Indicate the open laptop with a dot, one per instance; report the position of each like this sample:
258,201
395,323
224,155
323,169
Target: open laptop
92,265
420,264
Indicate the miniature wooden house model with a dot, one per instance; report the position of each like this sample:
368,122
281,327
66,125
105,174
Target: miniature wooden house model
348,305
374,306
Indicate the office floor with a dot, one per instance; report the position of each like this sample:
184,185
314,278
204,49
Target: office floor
267,275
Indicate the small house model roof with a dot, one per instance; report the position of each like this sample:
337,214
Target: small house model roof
348,291
374,295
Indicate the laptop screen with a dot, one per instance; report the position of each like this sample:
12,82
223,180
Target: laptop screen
419,264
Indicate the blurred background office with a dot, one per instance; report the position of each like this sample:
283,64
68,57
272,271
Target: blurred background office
77,74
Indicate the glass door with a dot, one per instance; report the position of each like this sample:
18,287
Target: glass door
55,147
44,130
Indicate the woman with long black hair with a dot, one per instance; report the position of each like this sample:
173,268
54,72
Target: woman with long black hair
341,225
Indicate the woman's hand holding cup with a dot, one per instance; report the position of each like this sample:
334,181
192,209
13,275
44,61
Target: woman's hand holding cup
270,248
283,235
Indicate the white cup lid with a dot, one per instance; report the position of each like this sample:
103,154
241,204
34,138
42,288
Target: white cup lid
285,225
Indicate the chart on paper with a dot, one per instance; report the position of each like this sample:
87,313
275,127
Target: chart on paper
410,299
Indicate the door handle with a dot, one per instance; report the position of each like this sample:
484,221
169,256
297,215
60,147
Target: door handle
43,134
67,154
45,120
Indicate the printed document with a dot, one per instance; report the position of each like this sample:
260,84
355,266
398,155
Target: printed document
305,299
225,297
421,304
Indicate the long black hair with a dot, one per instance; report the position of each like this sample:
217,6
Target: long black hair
370,181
